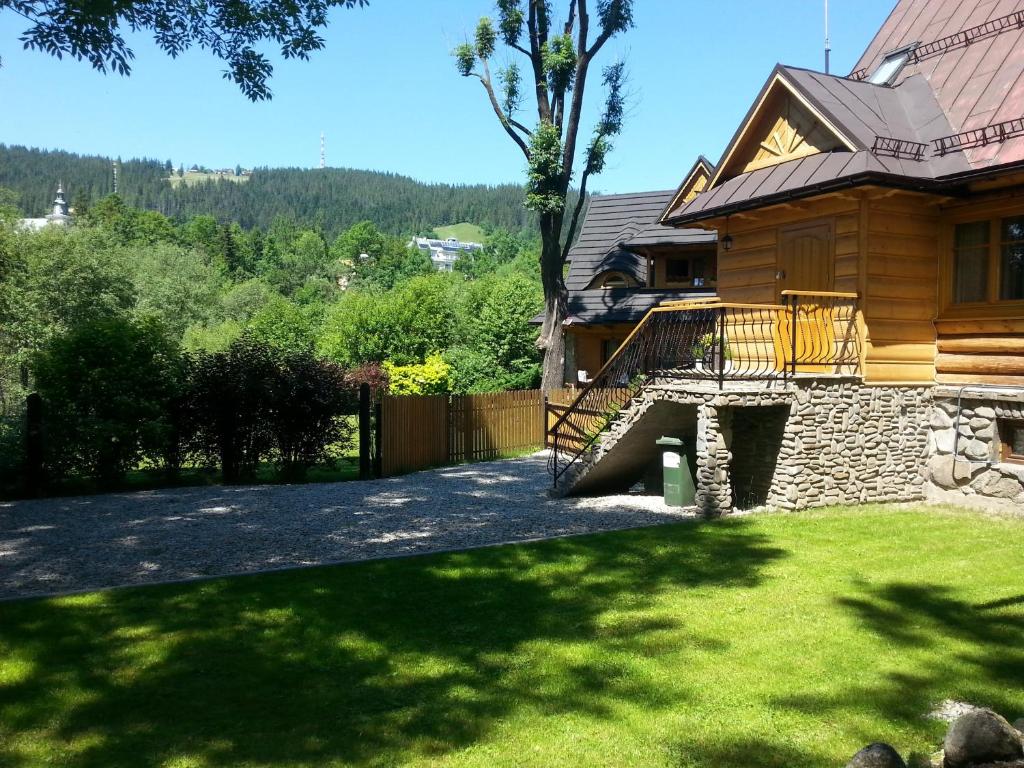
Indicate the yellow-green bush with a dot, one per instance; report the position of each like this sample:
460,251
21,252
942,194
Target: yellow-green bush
432,377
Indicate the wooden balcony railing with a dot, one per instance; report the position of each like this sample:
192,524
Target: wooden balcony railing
711,342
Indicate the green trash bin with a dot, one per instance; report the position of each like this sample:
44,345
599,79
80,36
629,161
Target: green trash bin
678,485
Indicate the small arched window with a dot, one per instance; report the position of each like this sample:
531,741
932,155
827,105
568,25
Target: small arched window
610,280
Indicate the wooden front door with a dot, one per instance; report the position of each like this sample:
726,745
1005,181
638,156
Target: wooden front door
807,263
806,260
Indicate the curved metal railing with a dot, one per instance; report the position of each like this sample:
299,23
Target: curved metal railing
710,341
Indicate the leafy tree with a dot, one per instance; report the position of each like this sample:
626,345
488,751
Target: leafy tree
73,276
359,328
426,317
212,338
231,31
107,385
175,284
282,325
559,59
245,299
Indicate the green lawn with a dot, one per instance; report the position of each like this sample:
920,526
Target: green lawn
465,232
774,640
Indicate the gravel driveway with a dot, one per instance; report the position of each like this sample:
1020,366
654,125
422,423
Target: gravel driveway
50,546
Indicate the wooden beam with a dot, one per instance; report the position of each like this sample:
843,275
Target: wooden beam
984,365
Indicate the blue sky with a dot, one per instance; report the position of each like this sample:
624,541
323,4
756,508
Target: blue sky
386,93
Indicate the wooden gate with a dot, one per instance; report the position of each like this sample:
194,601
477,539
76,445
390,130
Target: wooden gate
413,433
421,431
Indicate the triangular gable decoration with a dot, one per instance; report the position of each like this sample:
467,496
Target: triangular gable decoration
694,183
782,126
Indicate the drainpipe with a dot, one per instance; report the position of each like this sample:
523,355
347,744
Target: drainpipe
959,412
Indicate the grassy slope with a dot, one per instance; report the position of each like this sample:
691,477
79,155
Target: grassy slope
784,641
191,179
467,233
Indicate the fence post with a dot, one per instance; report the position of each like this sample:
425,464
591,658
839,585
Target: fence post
793,324
364,431
378,463
33,444
721,347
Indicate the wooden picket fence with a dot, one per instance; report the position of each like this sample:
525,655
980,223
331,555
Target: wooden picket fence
417,432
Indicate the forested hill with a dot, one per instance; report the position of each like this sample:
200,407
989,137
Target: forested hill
332,199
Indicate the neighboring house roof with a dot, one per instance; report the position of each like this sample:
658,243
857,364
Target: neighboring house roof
617,305
954,87
616,223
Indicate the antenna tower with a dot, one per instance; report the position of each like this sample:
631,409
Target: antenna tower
828,45
114,164
323,151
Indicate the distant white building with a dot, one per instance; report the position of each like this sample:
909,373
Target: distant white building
59,216
443,253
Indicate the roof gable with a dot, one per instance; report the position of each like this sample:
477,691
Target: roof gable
693,184
782,125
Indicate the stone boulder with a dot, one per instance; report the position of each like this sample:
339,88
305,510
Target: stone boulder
1019,724
981,737
877,755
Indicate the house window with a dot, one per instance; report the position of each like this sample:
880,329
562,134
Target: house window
970,262
677,270
988,261
1011,259
608,347
1011,433
890,67
614,280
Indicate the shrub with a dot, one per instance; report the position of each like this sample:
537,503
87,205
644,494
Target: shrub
432,377
228,405
107,386
253,403
310,399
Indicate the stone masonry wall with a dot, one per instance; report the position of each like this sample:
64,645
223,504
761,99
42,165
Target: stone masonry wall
968,469
842,442
846,443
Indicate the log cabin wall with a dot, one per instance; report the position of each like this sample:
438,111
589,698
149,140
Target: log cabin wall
591,346
899,286
884,246
979,342
748,273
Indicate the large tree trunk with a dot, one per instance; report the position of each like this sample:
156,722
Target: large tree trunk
552,334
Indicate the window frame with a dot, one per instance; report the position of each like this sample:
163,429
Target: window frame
1006,429
992,305
708,281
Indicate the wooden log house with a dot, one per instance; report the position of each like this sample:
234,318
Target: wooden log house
899,190
623,264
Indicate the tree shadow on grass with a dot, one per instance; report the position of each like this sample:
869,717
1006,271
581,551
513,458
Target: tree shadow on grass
366,664
749,753
983,643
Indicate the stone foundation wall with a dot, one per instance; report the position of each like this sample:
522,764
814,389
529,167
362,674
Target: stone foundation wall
846,443
968,469
825,441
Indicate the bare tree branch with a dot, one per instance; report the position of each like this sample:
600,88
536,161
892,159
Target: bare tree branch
582,65
538,38
485,80
570,17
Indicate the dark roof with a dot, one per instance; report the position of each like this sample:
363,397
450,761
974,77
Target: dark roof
615,223
959,87
861,112
977,84
619,305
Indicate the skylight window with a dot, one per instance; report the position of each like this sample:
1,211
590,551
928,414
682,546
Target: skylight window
891,65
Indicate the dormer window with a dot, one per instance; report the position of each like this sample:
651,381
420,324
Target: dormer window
891,66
